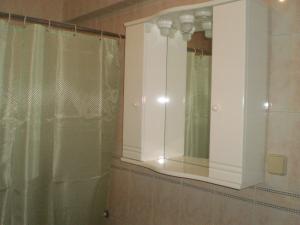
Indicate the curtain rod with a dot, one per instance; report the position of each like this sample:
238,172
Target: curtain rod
56,24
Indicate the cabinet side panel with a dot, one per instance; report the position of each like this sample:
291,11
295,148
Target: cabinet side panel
154,83
133,86
228,87
256,92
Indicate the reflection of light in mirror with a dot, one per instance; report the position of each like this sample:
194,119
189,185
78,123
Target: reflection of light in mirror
163,100
161,160
267,105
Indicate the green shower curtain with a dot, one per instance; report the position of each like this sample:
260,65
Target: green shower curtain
59,94
197,113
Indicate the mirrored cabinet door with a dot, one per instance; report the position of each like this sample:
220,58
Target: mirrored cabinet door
189,92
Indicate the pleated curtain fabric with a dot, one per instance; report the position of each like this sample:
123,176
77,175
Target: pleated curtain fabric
59,98
197,106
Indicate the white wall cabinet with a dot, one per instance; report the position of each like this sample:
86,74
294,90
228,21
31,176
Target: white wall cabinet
238,94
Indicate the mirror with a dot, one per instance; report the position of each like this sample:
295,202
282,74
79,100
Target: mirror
188,91
191,110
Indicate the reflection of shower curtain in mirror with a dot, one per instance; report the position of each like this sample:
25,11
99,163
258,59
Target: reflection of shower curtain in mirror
59,94
197,106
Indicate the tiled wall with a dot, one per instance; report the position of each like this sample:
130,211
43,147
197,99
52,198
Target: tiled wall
139,196
284,117
46,9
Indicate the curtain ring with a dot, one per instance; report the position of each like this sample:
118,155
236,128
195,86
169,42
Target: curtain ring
24,22
120,39
100,30
75,30
49,25
9,18
101,35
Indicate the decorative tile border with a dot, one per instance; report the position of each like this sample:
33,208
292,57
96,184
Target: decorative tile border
227,195
142,173
198,188
170,180
285,193
281,208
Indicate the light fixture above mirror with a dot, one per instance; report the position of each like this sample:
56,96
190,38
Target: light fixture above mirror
186,23
165,26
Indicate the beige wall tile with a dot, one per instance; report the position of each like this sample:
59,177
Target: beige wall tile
196,203
271,216
274,198
118,204
284,89
283,138
167,200
231,211
141,199
285,17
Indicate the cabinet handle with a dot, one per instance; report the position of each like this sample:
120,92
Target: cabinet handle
216,108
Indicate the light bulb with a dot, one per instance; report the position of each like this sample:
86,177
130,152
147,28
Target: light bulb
186,36
172,32
164,31
207,25
165,26
186,23
208,34
203,14
186,27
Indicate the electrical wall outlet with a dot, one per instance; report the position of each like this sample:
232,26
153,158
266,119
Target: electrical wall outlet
277,164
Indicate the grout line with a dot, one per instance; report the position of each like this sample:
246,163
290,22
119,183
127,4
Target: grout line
281,208
283,111
141,173
285,193
232,196
198,188
243,199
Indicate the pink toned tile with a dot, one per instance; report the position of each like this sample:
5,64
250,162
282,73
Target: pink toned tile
285,17
231,211
197,202
119,193
274,198
283,138
270,216
280,73
167,200
141,199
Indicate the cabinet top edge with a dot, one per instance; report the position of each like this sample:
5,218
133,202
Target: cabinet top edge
178,9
